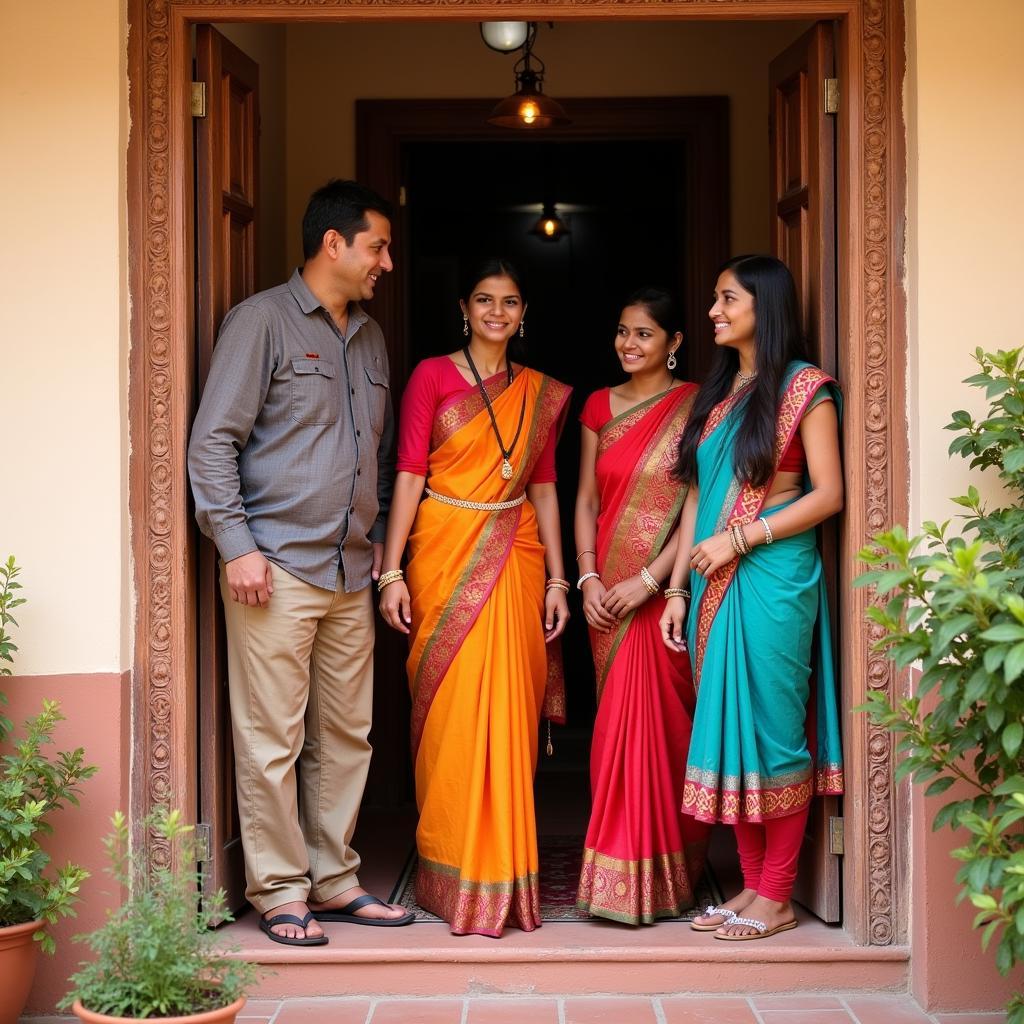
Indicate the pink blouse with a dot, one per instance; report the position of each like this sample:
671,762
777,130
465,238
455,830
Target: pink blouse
434,383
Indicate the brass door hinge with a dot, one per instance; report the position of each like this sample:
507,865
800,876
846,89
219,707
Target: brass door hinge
835,836
831,95
199,99
203,837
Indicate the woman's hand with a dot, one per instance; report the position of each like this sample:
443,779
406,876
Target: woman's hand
597,616
396,606
671,623
556,613
710,555
625,596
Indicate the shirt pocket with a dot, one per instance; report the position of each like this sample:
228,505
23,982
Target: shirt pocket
316,399
376,399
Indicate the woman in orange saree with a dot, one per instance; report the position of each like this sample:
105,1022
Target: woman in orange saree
478,435
642,855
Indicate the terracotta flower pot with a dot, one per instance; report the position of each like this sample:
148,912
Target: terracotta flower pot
18,956
224,1015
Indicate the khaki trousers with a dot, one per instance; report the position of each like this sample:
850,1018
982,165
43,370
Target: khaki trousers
300,678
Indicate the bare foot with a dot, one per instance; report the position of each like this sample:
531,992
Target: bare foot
376,911
738,904
293,931
772,913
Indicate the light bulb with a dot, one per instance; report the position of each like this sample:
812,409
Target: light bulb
504,36
528,111
549,227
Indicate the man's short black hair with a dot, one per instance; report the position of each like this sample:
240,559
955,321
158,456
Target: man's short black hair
340,205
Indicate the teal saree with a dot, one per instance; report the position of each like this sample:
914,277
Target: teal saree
766,727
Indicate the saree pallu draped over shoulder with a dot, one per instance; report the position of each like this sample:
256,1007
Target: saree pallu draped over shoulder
479,668
766,730
641,855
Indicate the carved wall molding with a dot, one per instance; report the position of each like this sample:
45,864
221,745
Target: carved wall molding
161,370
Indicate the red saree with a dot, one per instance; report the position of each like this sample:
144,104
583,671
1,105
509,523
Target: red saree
642,855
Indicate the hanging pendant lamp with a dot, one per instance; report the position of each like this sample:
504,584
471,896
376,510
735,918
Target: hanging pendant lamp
528,107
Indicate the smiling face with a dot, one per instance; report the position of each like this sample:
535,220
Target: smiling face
733,312
495,309
641,343
358,266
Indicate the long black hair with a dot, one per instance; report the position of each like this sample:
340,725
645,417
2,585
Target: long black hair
778,341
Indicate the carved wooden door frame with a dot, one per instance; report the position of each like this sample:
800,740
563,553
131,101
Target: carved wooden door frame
870,239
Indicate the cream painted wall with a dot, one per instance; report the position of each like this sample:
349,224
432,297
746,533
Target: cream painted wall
965,149
329,66
63,330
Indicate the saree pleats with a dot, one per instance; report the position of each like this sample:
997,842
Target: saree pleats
760,638
641,854
479,669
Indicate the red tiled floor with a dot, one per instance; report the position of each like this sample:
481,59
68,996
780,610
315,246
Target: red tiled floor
323,1011
706,1010
881,1010
512,1011
971,1018
609,1010
801,1002
417,1011
806,1017
261,1009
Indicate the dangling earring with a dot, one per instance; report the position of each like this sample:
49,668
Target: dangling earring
465,326
671,361
522,328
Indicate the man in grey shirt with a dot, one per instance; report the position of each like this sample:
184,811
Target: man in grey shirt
291,467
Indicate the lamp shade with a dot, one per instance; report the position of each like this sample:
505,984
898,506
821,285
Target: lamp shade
504,36
528,107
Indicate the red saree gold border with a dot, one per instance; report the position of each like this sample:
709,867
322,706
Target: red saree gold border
646,521
635,891
478,908
487,561
803,386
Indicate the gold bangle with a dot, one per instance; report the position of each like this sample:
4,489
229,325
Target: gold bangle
558,580
676,592
589,551
389,577
648,580
557,585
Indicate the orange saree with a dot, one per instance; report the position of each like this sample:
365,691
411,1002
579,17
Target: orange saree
478,666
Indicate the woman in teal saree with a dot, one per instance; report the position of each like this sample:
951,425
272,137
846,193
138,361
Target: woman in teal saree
761,455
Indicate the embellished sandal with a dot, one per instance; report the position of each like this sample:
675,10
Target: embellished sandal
710,911
761,930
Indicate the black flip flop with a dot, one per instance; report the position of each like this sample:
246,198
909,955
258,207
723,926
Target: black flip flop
286,940
348,914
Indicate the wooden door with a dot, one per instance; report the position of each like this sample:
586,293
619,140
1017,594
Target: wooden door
803,235
227,140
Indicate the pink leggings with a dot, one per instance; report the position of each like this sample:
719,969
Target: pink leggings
769,853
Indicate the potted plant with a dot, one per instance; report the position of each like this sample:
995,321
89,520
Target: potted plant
156,956
33,784
955,605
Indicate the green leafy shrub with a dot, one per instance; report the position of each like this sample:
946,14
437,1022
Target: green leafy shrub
955,605
33,785
155,956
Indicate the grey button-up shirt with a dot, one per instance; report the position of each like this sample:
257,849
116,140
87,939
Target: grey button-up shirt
291,451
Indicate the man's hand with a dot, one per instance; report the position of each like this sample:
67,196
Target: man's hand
378,560
250,579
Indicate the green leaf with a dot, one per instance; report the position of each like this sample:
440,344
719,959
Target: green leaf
1004,633
1014,664
939,786
952,628
983,901
1013,734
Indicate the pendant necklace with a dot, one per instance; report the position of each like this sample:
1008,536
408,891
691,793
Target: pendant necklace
506,454
742,380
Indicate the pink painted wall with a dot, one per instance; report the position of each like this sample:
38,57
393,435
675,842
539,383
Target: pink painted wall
948,970
96,707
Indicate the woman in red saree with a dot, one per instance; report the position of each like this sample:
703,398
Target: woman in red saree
477,434
642,856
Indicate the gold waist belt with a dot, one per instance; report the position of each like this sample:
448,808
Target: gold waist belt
477,506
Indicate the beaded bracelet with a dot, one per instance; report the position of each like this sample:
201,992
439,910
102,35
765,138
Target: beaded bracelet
676,592
587,576
389,577
648,580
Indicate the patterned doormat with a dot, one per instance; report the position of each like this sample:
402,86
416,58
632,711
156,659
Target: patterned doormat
561,858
